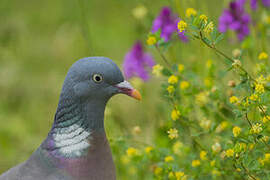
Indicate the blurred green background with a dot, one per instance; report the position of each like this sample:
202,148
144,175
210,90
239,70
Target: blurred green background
39,40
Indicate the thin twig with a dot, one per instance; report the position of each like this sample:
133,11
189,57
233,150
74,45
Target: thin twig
162,56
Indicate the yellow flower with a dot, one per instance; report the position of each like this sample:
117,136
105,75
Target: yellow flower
234,99
177,147
125,159
173,79
195,163
266,119
175,114
171,175
203,155
213,163
256,129
267,157
170,89
184,85
215,172
259,88
151,40
157,69
263,55
251,146
216,148
209,28
229,152
148,149
173,133
254,97
191,12
139,12
209,63
180,175
204,18
168,159
261,79
222,126
181,26
201,98
132,152
158,171
236,131
238,169
181,68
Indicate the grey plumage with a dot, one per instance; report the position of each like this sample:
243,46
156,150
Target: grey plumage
76,147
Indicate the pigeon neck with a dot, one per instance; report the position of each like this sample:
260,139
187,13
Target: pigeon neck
74,125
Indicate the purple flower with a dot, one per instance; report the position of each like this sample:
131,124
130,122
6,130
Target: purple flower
167,23
253,4
236,19
266,3
136,61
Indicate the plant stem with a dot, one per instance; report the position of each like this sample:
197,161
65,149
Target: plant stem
162,56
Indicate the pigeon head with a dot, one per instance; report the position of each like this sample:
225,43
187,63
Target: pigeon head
96,79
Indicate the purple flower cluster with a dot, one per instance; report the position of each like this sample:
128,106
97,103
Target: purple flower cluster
254,4
236,19
166,21
136,61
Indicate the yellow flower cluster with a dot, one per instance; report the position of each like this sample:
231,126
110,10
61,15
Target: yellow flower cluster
148,149
263,55
259,88
175,114
195,163
177,147
266,119
191,12
184,85
158,171
236,131
168,159
173,79
209,28
204,18
256,129
173,133
229,152
151,40
157,69
132,152
181,68
254,97
201,98
266,159
181,26
170,89
203,155
180,175
234,99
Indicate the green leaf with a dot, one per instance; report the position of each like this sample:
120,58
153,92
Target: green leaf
219,38
166,72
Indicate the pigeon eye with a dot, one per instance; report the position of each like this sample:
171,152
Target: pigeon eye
97,78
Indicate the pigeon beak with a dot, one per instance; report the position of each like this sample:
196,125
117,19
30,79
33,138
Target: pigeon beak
126,88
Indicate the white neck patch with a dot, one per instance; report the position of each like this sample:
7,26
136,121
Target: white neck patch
72,141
